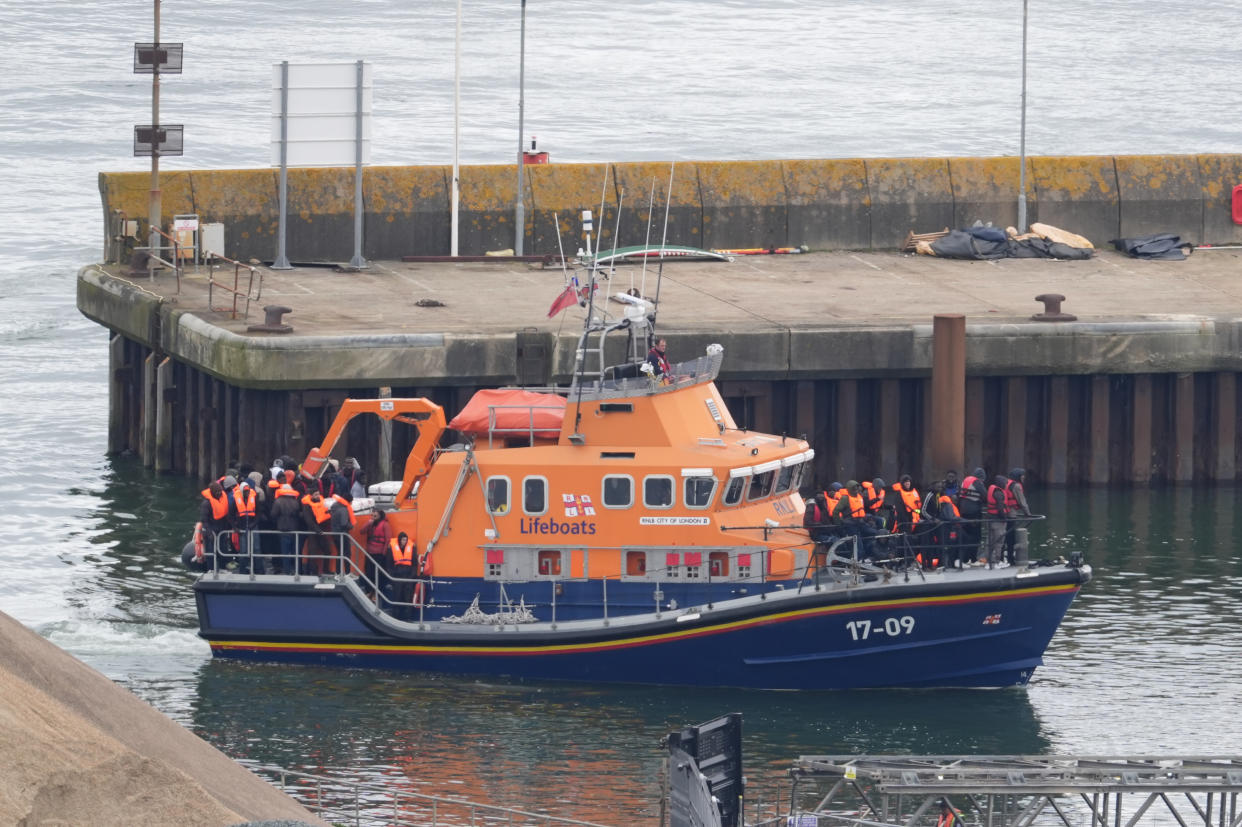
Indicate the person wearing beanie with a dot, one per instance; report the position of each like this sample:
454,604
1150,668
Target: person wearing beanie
970,497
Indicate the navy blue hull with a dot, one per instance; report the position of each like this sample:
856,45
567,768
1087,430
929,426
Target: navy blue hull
987,631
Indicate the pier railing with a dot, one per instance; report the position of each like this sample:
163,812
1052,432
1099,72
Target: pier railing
155,248
235,291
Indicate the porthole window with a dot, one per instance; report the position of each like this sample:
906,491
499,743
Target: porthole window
698,491
535,495
618,491
658,491
498,495
733,494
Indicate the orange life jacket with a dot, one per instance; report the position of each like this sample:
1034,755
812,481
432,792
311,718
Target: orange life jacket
996,509
874,498
911,500
319,509
245,500
946,499
968,490
857,509
1011,500
219,507
348,507
285,490
402,556
831,499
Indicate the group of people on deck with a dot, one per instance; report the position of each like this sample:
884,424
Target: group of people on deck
285,499
943,529
292,521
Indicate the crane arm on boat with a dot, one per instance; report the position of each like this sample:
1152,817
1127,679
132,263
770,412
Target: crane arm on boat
424,414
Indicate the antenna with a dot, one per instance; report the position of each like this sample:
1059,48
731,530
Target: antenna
647,243
668,199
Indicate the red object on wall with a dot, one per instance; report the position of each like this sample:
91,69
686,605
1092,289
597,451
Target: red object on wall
1237,204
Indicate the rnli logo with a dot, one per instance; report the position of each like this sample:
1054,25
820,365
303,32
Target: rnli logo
992,620
577,503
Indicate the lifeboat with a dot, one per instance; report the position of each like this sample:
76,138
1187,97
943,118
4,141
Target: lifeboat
625,529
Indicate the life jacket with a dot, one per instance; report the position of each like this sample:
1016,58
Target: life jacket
285,490
402,556
874,497
319,509
945,499
339,523
994,509
968,491
245,500
219,507
1011,499
813,515
857,509
911,500
946,819
831,499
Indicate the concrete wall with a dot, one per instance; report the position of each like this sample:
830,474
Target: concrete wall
828,204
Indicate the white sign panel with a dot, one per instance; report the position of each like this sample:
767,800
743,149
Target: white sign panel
322,114
674,521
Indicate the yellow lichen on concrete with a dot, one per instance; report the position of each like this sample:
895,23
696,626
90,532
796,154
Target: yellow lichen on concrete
909,179
130,192
1153,174
321,191
488,187
741,183
639,177
826,181
1075,177
393,189
568,187
231,193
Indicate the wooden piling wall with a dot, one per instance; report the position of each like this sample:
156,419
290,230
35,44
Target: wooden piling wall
1064,429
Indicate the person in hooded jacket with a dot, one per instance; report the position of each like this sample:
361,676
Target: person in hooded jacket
287,519
994,508
970,498
1015,507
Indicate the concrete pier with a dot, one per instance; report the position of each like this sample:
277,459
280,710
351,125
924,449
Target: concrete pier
837,345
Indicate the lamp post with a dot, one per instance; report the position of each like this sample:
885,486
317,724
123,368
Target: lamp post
456,197
1022,134
519,216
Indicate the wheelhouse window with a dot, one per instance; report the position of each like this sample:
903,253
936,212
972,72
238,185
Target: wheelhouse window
550,563
618,491
697,490
737,487
636,563
718,564
784,480
761,485
535,495
498,495
658,491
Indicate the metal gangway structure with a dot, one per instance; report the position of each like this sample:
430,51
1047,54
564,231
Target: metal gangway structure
1015,790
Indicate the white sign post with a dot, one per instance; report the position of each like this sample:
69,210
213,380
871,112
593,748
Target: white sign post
321,117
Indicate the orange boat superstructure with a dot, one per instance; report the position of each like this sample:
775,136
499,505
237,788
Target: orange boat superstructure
646,477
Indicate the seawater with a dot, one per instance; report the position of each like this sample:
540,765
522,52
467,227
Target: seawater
1149,658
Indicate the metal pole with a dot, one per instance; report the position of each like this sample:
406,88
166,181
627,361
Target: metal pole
153,215
519,208
358,261
456,197
282,260
1022,135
